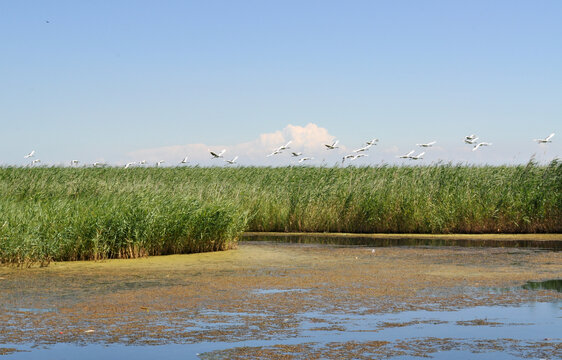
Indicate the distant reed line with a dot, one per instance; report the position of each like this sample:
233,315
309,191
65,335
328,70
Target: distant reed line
94,213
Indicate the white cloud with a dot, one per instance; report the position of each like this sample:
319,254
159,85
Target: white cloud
308,139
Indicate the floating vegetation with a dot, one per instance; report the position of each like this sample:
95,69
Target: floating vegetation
275,295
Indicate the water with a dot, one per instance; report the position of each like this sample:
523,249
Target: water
544,285
269,300
406,240
464,329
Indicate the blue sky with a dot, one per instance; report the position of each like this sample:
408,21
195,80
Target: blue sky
117,80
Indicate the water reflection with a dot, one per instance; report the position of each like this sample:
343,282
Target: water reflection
365,240
544,285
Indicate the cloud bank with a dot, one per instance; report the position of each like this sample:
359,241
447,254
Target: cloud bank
308,139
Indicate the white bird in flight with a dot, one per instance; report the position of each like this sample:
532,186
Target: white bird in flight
355,157
352,157
35,161
470,141
406,156
98,163
233,161
364,148
160,163
30,154
286,146
429,144
480,144
372,142
305,159
74,162
219,155
296,154
128,165
280,149
142,162
545,140
417,157
275,152
184,161
333,146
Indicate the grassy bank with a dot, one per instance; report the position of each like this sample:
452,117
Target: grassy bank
89,213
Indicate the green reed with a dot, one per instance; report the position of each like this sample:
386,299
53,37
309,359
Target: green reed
91,213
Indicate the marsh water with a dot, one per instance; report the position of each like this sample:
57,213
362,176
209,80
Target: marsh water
269,300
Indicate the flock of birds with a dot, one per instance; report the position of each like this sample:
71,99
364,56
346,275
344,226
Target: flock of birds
354,155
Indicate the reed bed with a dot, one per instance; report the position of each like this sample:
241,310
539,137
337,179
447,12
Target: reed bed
91,213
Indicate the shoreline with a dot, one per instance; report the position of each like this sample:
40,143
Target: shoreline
526,236
542,241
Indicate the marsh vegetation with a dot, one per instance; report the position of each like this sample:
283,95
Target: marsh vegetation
91,213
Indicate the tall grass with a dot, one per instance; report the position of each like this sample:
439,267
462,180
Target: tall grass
63,214
89,213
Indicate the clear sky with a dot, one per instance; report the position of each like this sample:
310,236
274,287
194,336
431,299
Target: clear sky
119,80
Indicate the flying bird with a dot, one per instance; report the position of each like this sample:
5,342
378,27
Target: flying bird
98,163
35,161
471,137
481,144
417,157
305,159
30,154
296,154
184,161
233,161
142,162
545,140
470,141
74,162
372,142
355,157
429,144
280,149
364,148
219,155
160,163
275,152
128,165
286,146
406,156
348,156
333,146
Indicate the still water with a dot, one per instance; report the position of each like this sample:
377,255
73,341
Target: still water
291,301
467,332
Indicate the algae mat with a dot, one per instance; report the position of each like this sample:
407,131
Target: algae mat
287,301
